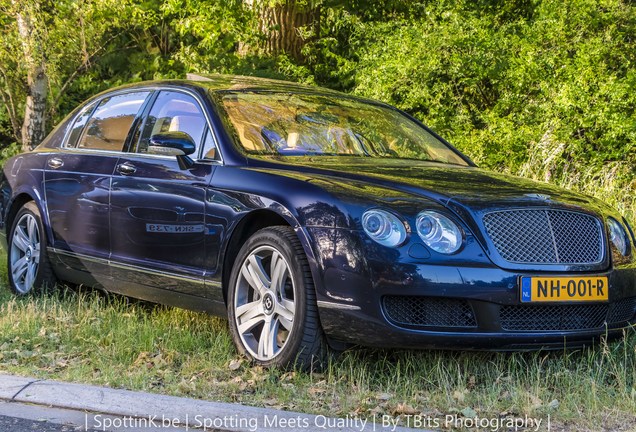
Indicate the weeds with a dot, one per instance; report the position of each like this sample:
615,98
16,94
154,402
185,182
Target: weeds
85,336
612,182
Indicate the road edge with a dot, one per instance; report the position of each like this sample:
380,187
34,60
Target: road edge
140,408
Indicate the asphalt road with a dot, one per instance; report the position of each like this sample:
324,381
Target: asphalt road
14,424
19,417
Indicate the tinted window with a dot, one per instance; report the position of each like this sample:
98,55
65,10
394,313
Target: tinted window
79,124
209,147
173,112
108,127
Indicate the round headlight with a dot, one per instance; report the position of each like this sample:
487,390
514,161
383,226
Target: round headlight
439,232
618,236
384,227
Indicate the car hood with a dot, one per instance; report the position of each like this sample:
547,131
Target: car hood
471,187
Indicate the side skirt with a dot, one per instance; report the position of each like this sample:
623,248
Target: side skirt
96,273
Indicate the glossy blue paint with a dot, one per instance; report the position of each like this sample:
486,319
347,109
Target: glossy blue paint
144,226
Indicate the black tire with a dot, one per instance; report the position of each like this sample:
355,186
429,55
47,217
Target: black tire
38,276
304,346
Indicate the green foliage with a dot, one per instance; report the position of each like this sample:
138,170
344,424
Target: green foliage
210,32
67,39
9,151
506,88
542,88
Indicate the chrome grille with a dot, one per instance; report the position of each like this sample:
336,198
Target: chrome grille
419,311
538,236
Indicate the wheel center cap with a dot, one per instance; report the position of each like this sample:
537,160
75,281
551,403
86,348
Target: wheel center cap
28,253
268,304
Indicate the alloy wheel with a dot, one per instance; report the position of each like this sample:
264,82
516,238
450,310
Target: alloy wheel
264,303
25,253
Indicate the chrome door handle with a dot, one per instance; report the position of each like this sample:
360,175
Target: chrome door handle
55,163
126,168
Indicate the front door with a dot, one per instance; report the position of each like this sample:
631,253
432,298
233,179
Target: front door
157,208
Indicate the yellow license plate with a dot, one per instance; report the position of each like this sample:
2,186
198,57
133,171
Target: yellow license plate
565,289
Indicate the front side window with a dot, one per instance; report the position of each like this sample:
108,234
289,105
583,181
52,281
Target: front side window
209,147
173,112
109,125
290,124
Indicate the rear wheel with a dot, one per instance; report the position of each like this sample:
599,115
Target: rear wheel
272,303
28,265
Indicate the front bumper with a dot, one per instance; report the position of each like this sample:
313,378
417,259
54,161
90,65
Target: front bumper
362,328
472,305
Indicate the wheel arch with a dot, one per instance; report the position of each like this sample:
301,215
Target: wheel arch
249,224
16,204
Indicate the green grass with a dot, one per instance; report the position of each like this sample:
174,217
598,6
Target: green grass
85,336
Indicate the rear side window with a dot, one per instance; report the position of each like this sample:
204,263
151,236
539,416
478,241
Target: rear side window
109,125
78,126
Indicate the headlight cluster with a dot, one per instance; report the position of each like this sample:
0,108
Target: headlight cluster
618,236
384,227
437,231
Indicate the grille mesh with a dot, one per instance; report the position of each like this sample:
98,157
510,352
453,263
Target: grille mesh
622,311
553,317
539,236
418,311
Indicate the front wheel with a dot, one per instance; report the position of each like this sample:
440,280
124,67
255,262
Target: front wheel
28,264
272,303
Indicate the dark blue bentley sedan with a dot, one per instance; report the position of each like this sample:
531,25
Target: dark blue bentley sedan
312,219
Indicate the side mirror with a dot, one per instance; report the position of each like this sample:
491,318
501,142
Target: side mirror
178,144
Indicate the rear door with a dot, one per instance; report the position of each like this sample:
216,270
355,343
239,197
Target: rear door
78,176
158,218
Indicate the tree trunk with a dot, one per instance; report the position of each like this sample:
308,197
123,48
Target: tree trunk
286,27
34,125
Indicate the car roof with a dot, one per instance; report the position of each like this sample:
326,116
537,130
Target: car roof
218,82
229,83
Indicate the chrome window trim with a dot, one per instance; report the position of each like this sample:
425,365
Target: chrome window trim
91,151
150,89
69,129
97,101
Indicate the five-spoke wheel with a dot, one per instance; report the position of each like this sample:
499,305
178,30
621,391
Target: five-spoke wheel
29,269
272,306
264,303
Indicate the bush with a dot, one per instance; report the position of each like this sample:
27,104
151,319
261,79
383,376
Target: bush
545,92
9,151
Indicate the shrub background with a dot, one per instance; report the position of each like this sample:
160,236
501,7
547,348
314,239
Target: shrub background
543,89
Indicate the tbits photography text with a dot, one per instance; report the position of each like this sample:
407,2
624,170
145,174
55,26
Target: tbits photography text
269,422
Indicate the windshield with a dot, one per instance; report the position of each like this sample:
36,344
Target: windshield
290,124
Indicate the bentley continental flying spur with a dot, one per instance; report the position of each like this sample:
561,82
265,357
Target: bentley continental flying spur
311,219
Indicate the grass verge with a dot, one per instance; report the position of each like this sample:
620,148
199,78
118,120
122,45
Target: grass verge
85,336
